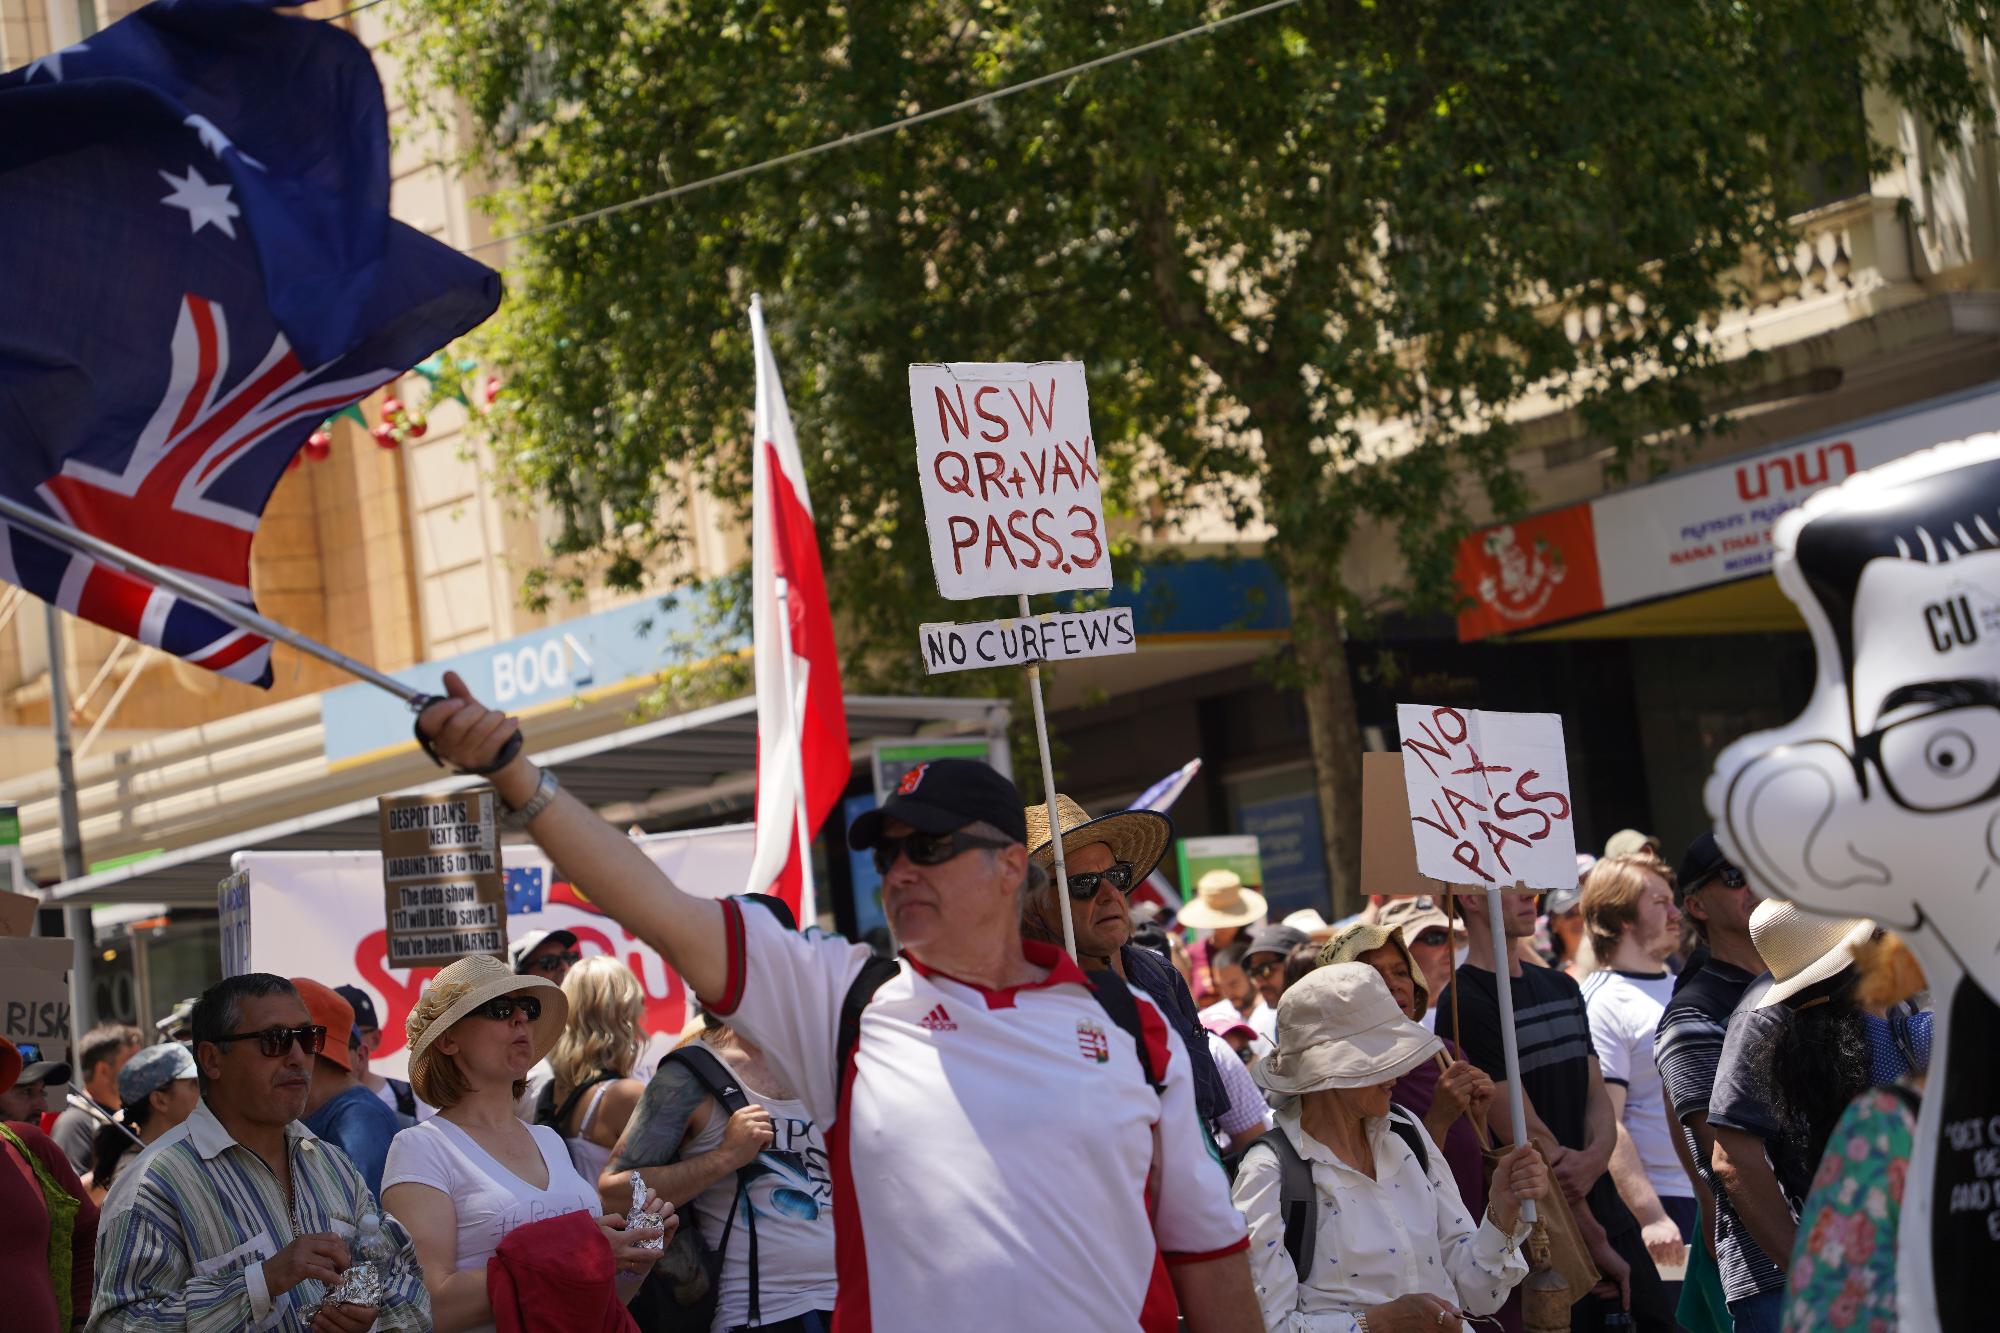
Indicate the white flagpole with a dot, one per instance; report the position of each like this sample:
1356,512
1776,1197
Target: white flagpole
1503,967
1049,795
794,706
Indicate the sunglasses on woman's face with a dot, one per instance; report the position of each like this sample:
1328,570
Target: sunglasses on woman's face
1083,884
275,1042
501,1008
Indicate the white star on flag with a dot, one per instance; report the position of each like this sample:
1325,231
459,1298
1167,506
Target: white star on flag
204,203
52,63
214,140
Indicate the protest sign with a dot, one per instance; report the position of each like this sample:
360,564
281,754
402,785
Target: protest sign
1009,475
441,876
17,913
1489,796
233,907
994,643
34,993
1388,846
318,914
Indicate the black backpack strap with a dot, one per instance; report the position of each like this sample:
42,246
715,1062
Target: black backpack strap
1404,1126
866,982
406,1100
712,1074
1115,998
561,1114
1298,1204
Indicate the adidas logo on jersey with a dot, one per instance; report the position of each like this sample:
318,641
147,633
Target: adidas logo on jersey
937,1020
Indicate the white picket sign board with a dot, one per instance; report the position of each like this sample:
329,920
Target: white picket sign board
1009,474
1489,796
1052,638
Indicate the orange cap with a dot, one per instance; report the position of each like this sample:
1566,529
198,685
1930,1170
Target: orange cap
334,1014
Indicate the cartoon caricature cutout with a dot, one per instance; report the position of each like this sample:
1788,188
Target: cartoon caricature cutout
1882,800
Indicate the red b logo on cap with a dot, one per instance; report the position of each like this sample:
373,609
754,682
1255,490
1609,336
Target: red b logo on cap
910,780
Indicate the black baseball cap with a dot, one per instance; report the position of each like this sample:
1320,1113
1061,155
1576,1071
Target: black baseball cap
1276,938
364,1008
1704,861
944,795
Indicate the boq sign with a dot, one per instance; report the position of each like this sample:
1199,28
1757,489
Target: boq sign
1009,474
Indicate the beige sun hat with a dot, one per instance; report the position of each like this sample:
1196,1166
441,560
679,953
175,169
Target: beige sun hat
1137,836
1801,949
1339,1027
1221,900
1366,937
463,987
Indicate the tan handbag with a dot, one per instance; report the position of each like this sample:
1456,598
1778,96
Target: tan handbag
1560,1269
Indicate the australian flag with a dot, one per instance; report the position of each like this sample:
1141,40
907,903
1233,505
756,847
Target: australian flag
197,266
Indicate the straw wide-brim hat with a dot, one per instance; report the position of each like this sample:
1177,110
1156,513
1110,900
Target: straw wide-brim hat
470,982
1339,1027
1801,949
1221,900
1366,937
1137,836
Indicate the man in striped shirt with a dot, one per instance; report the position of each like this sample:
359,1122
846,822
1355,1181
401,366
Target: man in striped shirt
240,1218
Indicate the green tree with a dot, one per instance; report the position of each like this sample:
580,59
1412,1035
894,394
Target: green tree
1310,260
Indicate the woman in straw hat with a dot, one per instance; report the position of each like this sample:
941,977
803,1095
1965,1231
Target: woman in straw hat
460,1181
1224,908
1394,1250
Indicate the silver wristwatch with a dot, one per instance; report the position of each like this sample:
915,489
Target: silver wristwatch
545,791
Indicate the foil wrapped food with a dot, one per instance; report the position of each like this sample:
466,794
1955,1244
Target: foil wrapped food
639,1217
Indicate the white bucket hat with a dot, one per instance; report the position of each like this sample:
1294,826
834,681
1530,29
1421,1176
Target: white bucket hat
1221,900
1801,949
1340,1028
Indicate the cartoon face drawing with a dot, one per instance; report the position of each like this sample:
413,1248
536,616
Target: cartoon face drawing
1882,799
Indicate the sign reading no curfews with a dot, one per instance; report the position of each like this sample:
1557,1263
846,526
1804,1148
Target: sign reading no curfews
1009,475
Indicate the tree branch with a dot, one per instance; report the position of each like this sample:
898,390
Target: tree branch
1182,302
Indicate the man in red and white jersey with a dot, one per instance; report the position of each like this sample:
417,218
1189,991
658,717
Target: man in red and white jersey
1001,1156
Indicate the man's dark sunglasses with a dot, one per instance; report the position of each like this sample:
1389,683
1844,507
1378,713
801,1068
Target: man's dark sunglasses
274,1042
929,849
549,962
1083,884
1263,967
1434,938
1729,877
501,1008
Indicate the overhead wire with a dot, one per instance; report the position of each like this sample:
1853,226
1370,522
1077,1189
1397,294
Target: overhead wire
874,132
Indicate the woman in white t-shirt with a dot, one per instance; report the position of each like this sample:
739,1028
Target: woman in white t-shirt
460,1181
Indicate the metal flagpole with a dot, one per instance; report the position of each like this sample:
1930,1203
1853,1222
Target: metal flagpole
76,920
1503,986
1049,795
82,543
794,706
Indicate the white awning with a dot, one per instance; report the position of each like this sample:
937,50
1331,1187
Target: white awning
696,765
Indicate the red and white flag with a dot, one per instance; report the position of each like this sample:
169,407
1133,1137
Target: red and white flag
802,750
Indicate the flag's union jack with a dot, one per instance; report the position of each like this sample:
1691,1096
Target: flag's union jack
160,504
198,267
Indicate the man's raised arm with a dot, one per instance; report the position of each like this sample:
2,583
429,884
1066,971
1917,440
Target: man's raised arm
592,854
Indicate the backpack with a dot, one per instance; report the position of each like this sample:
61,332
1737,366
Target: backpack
681,1293
548,1113
1107,988
1298,1202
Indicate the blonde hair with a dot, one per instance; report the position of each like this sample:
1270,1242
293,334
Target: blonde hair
1611,893
604,1031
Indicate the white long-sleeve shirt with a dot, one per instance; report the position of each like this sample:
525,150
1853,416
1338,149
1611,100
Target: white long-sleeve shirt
1404,1231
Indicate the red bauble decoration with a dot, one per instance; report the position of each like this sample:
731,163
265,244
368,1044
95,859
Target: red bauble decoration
319,444
415,427
385,435
492,389
391,408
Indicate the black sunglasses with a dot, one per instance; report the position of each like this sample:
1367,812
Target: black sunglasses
928,849
549,962
274,1042
1434,938
1258,971
1729,877
501,1008
1083,884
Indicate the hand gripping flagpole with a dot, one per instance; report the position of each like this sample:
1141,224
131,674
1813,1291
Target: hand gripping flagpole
1510,1046
795,710
1049,795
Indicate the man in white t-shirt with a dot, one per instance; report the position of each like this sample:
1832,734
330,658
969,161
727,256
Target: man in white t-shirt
999,1157
1630,918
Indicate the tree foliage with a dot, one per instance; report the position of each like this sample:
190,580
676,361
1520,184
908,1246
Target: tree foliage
1319,252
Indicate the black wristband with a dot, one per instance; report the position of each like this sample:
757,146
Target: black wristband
506,756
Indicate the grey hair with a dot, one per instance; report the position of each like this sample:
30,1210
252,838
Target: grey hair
1033,882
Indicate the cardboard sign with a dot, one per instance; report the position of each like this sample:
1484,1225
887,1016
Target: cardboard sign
1009,474
1489,796
34,993
17,913
441,873
1054,638
1388,845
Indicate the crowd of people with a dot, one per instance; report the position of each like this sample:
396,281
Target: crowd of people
1206,1119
